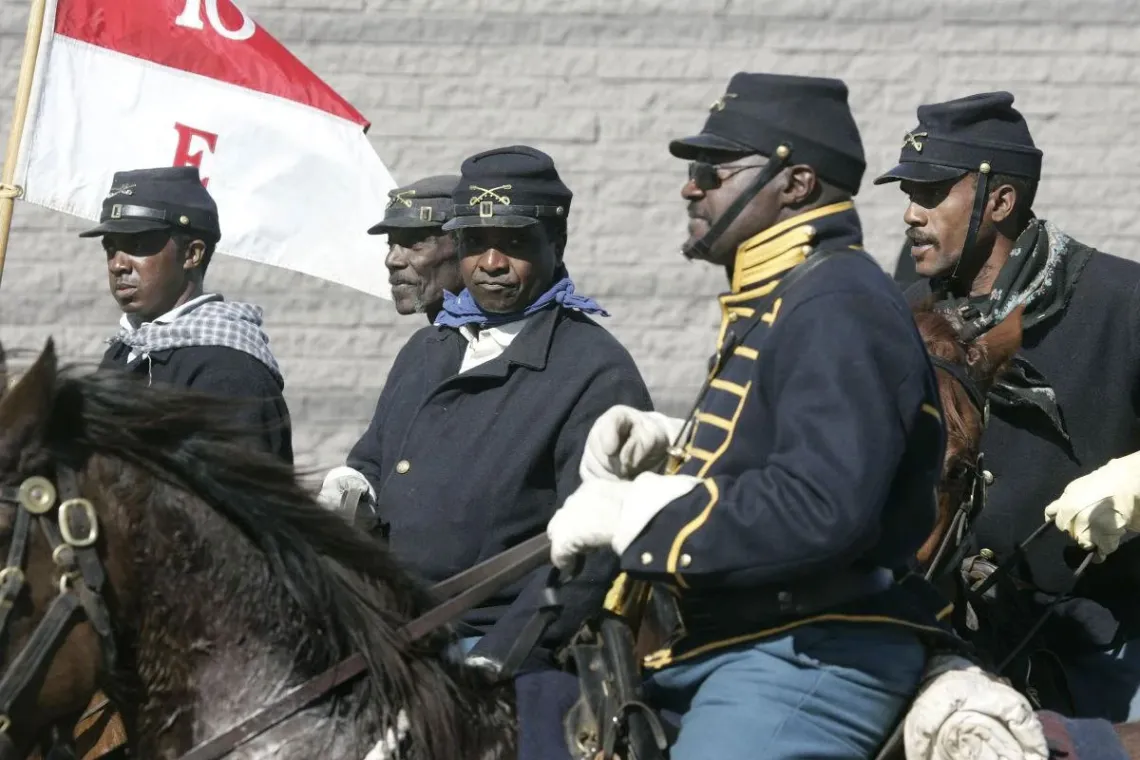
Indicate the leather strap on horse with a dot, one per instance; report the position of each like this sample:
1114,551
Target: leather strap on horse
71,536
37,651
534,628
479,583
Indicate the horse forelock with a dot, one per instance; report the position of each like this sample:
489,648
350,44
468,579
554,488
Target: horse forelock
351,592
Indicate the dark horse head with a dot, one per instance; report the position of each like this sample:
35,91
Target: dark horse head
225,585
966,371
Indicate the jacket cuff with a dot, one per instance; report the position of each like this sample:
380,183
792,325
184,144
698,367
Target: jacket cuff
648,494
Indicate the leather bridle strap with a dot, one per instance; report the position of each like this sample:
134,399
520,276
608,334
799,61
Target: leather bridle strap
480,582
12,576
71,530
956,371
41,645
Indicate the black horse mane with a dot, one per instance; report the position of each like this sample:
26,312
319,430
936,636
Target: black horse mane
352,592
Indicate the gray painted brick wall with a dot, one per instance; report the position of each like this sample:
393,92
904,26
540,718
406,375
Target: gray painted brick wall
602,85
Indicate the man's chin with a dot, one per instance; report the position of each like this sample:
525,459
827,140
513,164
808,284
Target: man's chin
127,303
929,266
694,254
404,306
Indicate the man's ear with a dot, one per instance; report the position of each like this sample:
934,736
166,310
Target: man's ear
1004,200
800,184
195,255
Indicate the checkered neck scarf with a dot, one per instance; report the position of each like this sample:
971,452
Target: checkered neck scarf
215,322
1041,274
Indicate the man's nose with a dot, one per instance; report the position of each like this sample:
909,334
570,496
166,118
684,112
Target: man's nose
119,263
397,257
914,216
494,260
690,191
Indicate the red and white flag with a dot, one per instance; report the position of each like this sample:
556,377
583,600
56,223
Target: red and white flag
133,84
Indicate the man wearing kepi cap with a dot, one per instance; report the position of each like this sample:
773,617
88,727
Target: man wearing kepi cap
423,264
1064,421
159,228
422,261
479,429
804,477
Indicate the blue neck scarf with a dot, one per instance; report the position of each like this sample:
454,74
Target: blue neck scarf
461,309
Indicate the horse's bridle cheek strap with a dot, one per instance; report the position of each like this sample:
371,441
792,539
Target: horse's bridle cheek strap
37,652
72,538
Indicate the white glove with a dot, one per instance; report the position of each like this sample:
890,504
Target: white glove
624,442
610,513
338,481
963,712
1097,508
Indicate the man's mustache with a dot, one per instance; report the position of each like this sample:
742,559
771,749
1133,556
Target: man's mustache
918,237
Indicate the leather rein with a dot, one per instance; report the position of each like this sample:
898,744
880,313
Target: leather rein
71,527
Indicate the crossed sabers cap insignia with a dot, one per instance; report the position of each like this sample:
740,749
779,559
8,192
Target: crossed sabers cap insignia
127,189
493,192
399,198
912,139
719,103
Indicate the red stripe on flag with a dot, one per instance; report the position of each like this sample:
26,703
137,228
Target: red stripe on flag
212,38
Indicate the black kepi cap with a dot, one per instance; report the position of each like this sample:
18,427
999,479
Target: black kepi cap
167,197
424,203
514,186
809,115
979,133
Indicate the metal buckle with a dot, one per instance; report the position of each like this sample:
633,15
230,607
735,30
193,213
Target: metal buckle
37,495
486,209
425,213
65,526
117,211
7,599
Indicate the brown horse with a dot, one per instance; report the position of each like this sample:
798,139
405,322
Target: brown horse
965,374
960,365
225,584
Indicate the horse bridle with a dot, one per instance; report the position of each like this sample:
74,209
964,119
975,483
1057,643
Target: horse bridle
71,528
973,473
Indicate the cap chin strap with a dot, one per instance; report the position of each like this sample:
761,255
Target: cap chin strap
776,164
981,195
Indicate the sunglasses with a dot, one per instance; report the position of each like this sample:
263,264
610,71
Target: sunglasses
708,176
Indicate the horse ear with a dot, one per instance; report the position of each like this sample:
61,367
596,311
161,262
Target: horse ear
25,407
988,355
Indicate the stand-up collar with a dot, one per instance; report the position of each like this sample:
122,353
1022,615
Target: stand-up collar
783,246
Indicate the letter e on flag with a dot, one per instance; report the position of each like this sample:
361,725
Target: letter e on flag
182,154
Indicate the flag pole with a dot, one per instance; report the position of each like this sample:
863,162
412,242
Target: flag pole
8,191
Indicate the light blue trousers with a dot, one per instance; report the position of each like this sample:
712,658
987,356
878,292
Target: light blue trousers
824,691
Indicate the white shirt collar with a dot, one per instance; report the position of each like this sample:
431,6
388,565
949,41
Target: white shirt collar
130,325
489,342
